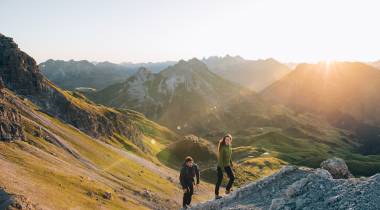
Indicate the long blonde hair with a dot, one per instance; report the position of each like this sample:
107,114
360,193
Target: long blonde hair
223,140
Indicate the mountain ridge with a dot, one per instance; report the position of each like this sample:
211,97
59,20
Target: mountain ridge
253,74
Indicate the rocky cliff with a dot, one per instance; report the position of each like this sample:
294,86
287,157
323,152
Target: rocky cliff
303,188
10,121
20,74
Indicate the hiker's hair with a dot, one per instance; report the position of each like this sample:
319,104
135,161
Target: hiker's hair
223,140
188,159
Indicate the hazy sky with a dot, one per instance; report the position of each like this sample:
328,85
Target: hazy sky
157,30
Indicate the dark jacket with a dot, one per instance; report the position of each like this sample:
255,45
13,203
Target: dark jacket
188,174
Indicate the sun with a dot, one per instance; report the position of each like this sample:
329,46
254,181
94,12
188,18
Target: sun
328,65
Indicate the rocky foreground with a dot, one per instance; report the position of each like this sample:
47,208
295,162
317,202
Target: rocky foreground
304,188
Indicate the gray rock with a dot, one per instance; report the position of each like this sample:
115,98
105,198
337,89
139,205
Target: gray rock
302,188
10,122
277,203
337,168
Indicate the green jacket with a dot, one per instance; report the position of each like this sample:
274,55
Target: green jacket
224,159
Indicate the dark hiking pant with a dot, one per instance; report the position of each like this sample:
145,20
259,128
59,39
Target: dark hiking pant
230,175
187,195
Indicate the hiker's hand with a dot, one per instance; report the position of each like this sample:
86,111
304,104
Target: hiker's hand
184,190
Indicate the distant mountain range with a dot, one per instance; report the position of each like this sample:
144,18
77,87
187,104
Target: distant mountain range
76,74
253,74
154,67
182,92
72,74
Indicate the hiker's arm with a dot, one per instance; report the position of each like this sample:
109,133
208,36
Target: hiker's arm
197,173
181,177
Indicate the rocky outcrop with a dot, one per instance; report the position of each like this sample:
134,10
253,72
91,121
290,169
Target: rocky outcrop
16,202
337,168
302,188
21,75
10,122
18,70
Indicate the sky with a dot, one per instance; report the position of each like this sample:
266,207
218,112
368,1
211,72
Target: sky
159,30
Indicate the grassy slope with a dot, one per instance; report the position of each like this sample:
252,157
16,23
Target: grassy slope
308,150
50,171
296,138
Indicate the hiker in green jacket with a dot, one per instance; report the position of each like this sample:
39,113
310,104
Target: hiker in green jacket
224,163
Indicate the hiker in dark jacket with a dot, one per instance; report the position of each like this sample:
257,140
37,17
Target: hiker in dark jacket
188,172
224,164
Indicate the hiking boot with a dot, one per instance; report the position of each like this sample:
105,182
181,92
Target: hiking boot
217,197
228,191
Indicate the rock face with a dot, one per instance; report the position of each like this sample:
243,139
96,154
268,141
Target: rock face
302,188
15,202
337,168
10,122
18,70
21,75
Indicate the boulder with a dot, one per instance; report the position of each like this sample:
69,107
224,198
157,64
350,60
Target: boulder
107,195
337,168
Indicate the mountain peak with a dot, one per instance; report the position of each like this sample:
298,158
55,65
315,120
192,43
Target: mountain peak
229,58
18,70
190,65
7,42
143,73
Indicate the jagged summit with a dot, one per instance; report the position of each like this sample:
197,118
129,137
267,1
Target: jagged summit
18,70
302,188
143,73
186,68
